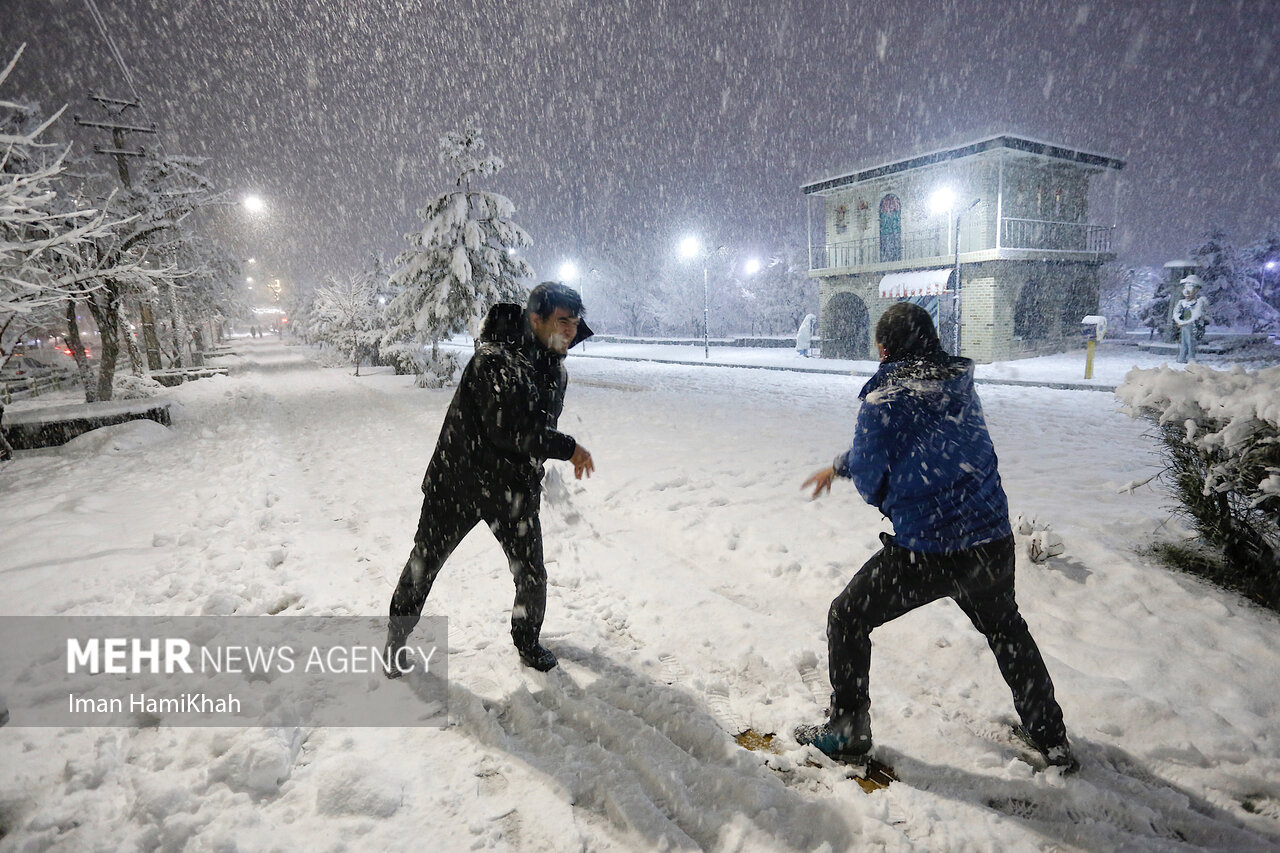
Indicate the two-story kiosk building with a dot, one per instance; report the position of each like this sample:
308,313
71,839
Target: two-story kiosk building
1023,222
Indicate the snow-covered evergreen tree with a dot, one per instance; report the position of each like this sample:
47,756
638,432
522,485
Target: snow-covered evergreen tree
460,262
1261,254
1231,286
1157,310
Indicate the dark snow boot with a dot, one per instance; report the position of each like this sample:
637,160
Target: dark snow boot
1055,755
538,657
396,638
849,742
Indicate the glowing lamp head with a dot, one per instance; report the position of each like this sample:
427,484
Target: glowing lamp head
942,200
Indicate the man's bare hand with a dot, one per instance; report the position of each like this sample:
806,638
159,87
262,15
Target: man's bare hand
820,480
582,463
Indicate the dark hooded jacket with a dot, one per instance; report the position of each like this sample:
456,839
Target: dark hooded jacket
922,455
501,425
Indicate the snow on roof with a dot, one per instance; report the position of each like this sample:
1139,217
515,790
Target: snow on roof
968,149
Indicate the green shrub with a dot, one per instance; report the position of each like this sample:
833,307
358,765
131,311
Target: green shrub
1220,433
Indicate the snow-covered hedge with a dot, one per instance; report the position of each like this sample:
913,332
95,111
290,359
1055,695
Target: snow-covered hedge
1221,433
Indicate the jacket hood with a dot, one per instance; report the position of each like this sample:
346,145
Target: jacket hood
506,324
941,379
584,332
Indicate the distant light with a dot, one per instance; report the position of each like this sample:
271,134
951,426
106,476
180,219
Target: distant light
249,280
254,203
1271,265
942,200
252,261
690,247
752,266
568,271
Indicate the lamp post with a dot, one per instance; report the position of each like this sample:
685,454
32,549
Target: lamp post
944,200
690,248
749,269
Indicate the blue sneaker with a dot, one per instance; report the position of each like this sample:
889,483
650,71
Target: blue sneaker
841,743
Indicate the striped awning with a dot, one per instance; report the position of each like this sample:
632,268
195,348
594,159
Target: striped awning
897,285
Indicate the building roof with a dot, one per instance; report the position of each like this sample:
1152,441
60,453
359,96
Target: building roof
1015,143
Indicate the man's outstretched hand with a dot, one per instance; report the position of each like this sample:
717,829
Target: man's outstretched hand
820,480
582,463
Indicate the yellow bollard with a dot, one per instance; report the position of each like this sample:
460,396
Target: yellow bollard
1088,359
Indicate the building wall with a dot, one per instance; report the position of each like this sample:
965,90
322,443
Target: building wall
1033,189
1057,295
853,214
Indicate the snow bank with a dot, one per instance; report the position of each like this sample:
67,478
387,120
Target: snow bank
119,438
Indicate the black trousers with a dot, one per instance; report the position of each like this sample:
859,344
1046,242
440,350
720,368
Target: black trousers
896,581
448,515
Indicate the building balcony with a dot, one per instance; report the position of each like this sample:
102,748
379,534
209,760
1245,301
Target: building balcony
1019,239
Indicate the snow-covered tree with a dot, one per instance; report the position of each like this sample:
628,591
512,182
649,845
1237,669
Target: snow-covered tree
1124,293
1231,286
51,247
460,262
1261,254
346,315
161,198
783,292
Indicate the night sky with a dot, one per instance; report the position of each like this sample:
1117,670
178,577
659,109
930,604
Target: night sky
626,124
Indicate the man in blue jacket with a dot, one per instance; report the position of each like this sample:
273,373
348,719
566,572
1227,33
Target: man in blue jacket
922,455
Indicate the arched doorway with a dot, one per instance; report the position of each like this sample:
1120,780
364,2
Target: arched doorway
846,328
890,229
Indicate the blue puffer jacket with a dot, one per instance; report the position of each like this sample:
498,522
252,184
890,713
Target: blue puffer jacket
922,455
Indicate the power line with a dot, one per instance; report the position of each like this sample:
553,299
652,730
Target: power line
111,45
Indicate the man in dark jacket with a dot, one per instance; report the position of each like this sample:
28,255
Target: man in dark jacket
922,455
487,466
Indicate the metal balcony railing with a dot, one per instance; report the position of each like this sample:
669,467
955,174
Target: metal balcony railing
871,251
1055,236
1033,234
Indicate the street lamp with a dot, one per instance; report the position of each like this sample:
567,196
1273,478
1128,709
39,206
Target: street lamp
254,203
568,272
944,199
691,248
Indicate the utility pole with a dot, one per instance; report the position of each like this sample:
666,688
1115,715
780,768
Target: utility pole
115,109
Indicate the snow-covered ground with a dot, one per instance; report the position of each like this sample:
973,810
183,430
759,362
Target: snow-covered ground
690,579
